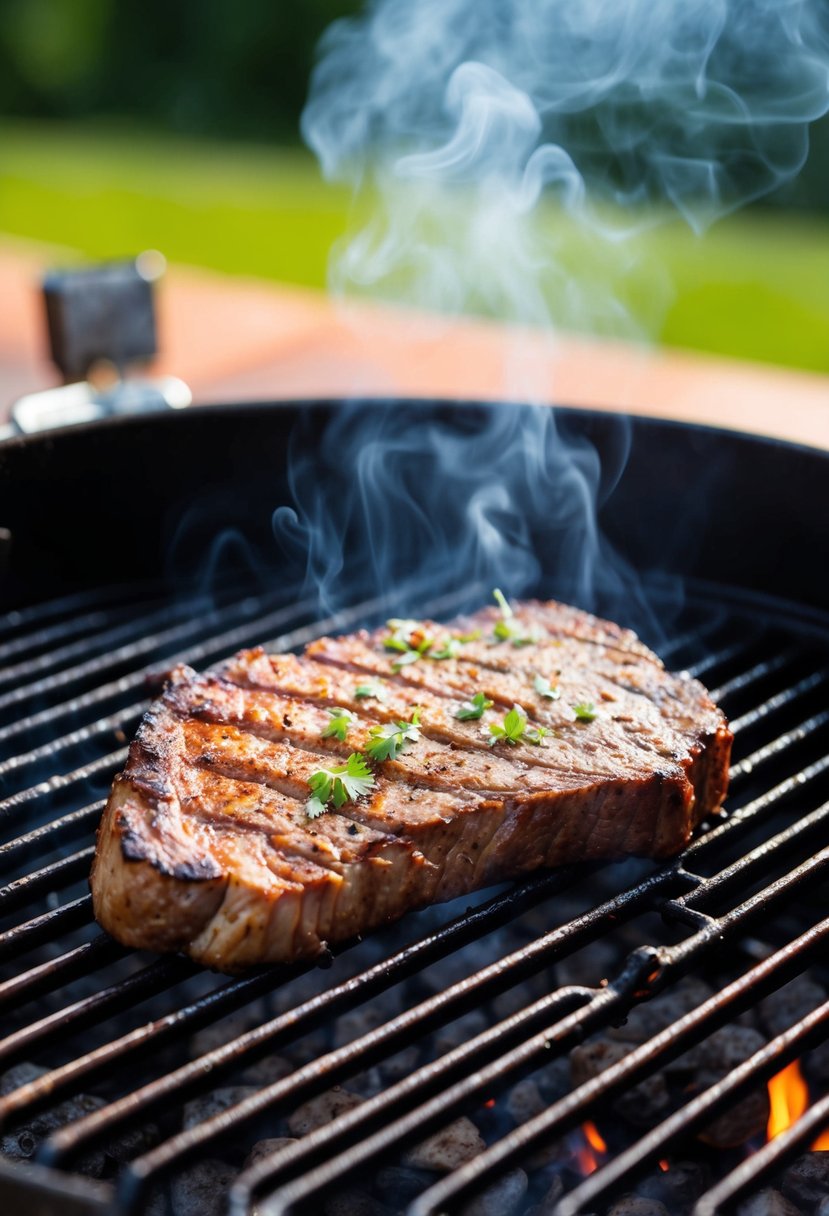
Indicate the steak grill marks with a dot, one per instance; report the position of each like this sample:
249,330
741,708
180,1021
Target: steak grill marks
743,873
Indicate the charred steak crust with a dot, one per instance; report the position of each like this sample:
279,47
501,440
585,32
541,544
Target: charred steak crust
206,846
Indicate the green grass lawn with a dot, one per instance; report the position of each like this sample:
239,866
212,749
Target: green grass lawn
757,286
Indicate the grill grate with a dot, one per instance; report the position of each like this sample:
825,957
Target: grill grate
102,1020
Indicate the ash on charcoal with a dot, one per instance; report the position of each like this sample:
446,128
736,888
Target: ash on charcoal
448,1148
266,1148
822,1208
635,1205
501,1199
768,1203
266,1071
21,1074
641,1105
321,1110
807,1179
354,1202
721,1051
202,1189
524,1101
739,1123
132,1143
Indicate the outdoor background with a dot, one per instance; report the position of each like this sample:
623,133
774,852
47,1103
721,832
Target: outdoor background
174,125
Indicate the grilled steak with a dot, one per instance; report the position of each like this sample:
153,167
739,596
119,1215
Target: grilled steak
511,742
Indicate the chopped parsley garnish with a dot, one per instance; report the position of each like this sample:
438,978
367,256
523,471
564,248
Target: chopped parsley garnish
508,629
339,725
474,708
408,640
515,729
387,741
551,692
449,650
377,691
585,711
338,785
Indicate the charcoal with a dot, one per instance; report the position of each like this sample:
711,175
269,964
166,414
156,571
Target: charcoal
354,1202
740,1122
590,966
679,1187
459,1032
266,1071
721,1051
822,1208
635,1205
549,1200
227,1029
321,1110
816,1062
646,1020
264,1148
768,1203
21,1074
554,1079
401,1183
790,1004
400,1065
201,1190
807,1179
640,1105
447,1149
132,1143
22,1143
524,1101
502,1198
212,1103
357,1022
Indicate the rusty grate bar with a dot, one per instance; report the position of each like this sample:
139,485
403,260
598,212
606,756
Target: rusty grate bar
759,1067
645,973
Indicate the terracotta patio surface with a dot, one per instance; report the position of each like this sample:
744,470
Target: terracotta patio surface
235,339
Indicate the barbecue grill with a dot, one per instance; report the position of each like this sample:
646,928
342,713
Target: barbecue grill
109,1058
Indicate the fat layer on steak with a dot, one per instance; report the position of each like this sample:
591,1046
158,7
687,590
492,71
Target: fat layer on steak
206,846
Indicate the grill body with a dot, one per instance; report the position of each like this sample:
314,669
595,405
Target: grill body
112,529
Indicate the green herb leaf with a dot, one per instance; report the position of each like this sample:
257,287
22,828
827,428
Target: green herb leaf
544,688
339,725
512,728
508,629
387,741
515,729
340,784
408,640
585,711
474,708
411,656
370,690
449,650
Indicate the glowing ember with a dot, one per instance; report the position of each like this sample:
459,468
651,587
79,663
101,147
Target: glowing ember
490,1102
589,1155
788,1099
664,1166
821,1145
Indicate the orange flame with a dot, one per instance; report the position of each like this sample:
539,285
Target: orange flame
821,1145
589,1156
788,1099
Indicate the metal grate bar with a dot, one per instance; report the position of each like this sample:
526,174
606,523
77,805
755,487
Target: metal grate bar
753,675
646,970
152,1035
156,978
51,834
437,1010
641,1061
50,878
779,700
459,932
49,635
727,654
780,744
766,1160
676,1129
58,971
60,782
45,927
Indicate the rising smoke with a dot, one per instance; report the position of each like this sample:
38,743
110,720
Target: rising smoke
469,123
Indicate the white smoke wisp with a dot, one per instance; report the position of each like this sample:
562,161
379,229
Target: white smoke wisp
459,115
